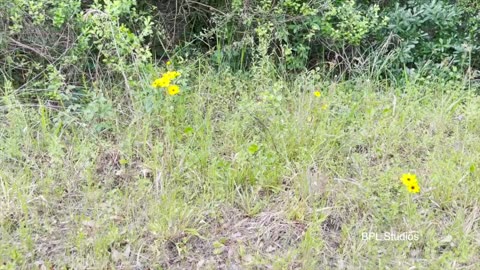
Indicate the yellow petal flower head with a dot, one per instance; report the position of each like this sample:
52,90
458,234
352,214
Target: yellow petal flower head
317,93
173,89
169,63
171,75
162,82
409,179
168,75
413,188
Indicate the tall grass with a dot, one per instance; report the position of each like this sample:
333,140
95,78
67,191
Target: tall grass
240,171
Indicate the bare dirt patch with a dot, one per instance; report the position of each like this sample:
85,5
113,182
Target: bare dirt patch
233,241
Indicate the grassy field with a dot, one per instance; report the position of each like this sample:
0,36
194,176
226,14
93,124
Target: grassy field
243,171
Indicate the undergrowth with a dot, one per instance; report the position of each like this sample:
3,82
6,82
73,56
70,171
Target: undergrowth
286,140
243,170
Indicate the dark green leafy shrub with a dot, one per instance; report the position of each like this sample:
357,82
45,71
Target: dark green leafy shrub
431,36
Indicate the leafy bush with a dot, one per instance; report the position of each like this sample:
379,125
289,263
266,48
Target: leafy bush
58,50
57,47
430,32
293,30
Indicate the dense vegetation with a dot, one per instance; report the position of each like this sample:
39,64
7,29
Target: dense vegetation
243,134
72,40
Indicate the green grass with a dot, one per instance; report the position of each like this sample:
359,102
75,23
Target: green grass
243,172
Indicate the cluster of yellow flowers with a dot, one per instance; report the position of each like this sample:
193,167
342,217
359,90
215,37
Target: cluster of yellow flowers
165,82
410,182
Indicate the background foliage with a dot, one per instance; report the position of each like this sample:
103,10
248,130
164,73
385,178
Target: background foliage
73,38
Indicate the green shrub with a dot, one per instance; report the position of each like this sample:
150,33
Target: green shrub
57,47
429,32
58,50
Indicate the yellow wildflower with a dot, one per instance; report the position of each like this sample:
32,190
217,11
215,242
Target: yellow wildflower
169,63
410,182
408,179
317,93
413,188
173,89
162,82
171,75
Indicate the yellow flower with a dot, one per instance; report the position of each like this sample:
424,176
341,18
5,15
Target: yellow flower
410,182
413,188
317,93
171,75
175,74
168,75
173,89
162,82
409,179
169,63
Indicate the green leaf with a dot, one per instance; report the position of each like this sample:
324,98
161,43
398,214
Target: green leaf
218,244
253,148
